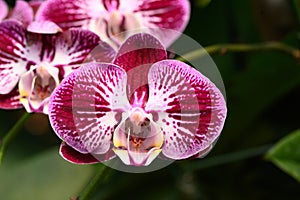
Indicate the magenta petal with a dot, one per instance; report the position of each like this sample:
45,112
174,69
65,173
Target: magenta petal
12,58
138,50
190,108
43,27
3,9
136,55
22,12
87,105
11,100
160,16
68,13
73,156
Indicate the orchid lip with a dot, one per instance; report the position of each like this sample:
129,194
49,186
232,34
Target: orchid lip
137,140
36,86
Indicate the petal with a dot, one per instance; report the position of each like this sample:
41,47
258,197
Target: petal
103,52
159,16
35,4
189,108
73,156
136,55
3,9
87,105
10,100
12,58
137,159
43,27
139,50
69,13
22,12
73,46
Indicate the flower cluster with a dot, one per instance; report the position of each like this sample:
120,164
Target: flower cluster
101,72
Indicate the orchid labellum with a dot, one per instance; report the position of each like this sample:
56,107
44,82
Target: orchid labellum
116,19
141,107
33,64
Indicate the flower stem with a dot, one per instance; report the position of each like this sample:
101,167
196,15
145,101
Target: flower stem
226,48
95,182
226,158
8,138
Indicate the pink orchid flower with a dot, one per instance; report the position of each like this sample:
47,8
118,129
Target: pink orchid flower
22,12
116,19
32,64
141,107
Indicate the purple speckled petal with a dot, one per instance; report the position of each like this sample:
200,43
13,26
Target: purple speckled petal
3,9
159,16
11,100
73,46
87,106
44,27
73,156
12,54
135,56
68,13
103,52
22,12
189,108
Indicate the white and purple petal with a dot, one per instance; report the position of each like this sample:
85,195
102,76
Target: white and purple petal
10,100
189,108
164,19
12,54
73,156
73,46
22,12
87,106
3,9
68,13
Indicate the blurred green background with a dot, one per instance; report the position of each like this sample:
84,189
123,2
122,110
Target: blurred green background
263,95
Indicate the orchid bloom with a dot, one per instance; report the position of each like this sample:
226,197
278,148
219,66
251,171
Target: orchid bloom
32,64
140,107
22,12
117,19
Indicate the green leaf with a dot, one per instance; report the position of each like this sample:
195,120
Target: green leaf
286,154
297,8
46,176
203,3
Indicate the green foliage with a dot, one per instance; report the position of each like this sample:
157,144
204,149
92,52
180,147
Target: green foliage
297,8
202,3
45,176
286,154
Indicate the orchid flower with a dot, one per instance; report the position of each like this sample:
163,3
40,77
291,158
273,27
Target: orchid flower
140,107
22,12
32,64
117,19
